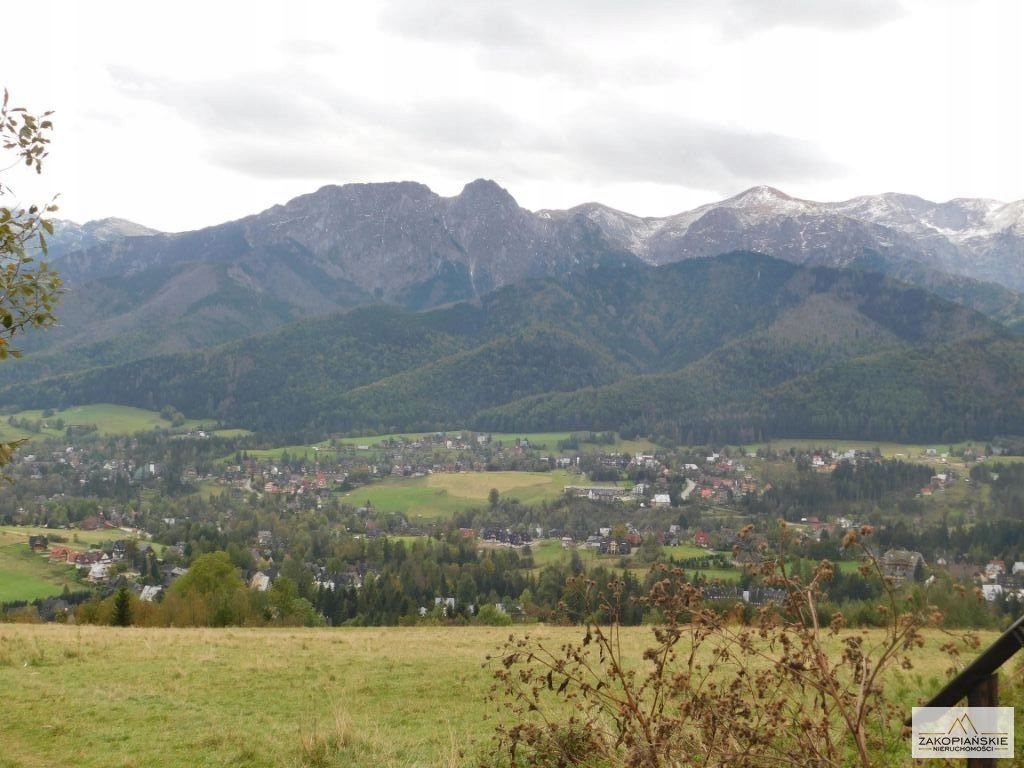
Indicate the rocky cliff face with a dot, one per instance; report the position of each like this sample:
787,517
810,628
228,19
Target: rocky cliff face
384,238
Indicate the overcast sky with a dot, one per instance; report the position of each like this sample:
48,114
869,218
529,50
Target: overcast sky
181,115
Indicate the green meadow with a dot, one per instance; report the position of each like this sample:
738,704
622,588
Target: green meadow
126,420
93,696
108,419
539,440
905,451
71,537
441,495
97,697
25,575
307,452
551,552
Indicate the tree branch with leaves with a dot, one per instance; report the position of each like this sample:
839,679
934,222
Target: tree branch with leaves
29,289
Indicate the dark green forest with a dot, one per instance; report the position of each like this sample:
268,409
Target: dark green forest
736,348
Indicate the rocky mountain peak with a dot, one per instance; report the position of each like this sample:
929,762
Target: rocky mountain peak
346,196
764,199
112,227
486,192
69,236
759,195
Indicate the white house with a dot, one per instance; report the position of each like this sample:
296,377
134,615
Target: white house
992,591
99,571
259,581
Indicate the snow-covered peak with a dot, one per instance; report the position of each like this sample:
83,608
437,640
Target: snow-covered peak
1009,216
955,219
623,229
69,236
764,199
885,206
759,194
104,229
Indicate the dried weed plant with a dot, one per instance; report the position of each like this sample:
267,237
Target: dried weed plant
736,686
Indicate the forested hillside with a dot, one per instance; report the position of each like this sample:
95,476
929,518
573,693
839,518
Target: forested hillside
735,347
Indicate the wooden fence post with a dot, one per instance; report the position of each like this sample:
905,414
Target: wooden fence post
985,693
979,682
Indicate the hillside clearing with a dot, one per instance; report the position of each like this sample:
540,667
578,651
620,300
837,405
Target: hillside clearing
108,420
25,575
441,495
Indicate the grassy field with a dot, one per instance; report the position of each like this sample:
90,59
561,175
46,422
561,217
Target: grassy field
307,452
261,698
439,496
25,575
540,440
550,552
685,551
905,451
73,538
109,420
103,697
228,433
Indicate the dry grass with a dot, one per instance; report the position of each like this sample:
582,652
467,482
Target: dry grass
395,697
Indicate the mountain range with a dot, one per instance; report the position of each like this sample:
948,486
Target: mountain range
739,347
203,320
133,292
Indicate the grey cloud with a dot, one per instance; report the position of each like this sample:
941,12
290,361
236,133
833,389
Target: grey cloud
751,15
307,160
502,36
491,24
286,103
293,125
675,150
531,37
465,124
529,24
307,47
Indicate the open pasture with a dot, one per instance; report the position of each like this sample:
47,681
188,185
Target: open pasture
547,441
94,696
395,697
25,575
541,439
904,451
71,537
108,419
441,495
305,452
